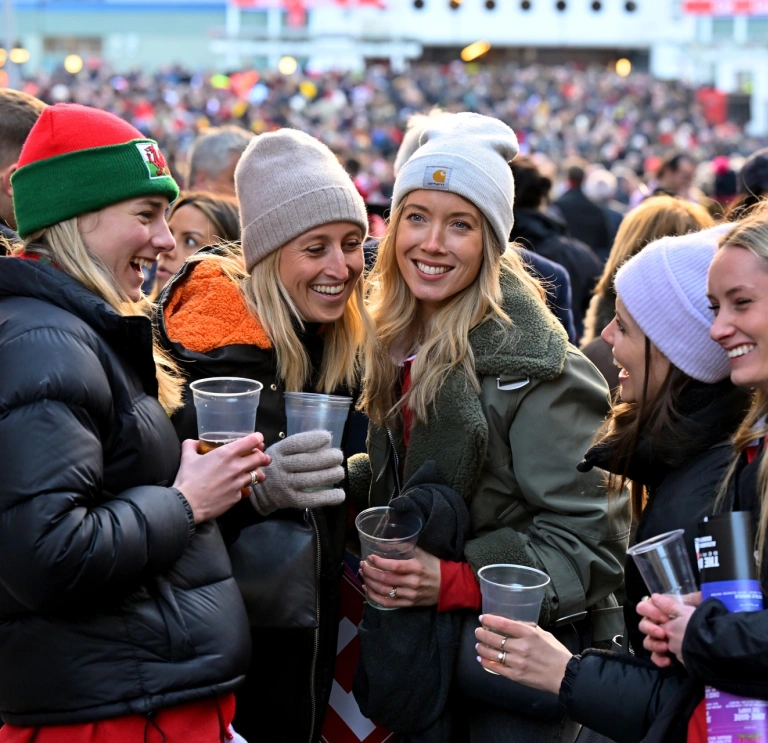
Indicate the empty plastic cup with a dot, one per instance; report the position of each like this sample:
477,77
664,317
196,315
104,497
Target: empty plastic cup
387,533
309,411
226,409
663,562
513,591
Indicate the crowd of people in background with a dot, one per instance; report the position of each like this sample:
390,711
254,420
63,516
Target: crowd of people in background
544,289
626,124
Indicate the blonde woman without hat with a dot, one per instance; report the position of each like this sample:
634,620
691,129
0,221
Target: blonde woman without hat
286,309
659,216
118,612
469,369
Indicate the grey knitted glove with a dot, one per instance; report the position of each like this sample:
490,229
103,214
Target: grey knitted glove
304,460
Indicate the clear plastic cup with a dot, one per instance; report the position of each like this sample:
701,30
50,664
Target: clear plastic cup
663,562
309,411
389,534
226,409
513,592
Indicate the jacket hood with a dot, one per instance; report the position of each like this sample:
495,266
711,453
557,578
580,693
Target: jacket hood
535,226
711,413
534,346
202,309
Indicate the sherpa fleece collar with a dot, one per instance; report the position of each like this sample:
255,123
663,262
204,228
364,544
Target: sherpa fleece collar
456,435
206,311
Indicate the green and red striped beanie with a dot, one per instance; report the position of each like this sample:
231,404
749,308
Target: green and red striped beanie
78,159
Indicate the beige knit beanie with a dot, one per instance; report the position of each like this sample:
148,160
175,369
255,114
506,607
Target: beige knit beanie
467,154
287,183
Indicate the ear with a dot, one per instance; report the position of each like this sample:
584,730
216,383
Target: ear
5,179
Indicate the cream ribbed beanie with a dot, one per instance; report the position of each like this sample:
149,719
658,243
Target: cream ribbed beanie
466,154
664,288
287,183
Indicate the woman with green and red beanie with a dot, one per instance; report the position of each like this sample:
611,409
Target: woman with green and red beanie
119,617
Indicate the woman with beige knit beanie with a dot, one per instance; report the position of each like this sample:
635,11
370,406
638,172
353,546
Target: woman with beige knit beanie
284,308
477,400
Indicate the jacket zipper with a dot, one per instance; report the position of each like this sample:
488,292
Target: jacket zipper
397,488
316,646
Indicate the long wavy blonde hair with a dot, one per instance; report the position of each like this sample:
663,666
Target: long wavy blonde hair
752,234
443,341
62,244
271,305
659,216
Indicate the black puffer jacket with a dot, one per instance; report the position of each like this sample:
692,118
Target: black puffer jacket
289,683
112,602
621,696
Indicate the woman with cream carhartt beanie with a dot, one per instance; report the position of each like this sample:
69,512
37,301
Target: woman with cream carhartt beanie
469,369
284,308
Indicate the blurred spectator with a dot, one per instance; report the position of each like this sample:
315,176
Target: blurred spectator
753,180
600,187
658,216
586,220
196,219
675,176
18,114
545,235
725,185
213,158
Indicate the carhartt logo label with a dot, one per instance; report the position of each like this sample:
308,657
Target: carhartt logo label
154,160
437,177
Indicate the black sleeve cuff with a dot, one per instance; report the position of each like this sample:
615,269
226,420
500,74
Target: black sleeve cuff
566,685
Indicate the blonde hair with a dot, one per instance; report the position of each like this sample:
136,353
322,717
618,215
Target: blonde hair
659,216
269,302
62,244
443,342
752,234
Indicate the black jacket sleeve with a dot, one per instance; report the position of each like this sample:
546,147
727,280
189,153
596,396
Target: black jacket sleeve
618,696
62,536
728,650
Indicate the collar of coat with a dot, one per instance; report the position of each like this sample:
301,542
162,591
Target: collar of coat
456,434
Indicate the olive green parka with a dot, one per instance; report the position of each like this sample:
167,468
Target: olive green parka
511,452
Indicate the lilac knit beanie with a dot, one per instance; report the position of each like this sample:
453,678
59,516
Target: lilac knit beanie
664,288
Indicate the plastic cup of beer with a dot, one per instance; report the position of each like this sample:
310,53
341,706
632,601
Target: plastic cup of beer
226,410
389,534
663,562
310,411
513,592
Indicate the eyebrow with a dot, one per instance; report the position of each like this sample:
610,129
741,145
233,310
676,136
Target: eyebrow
356,231
154,203
733,290
452,214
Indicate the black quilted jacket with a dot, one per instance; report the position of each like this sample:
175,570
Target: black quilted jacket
112,601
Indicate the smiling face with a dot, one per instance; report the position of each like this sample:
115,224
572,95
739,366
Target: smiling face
320,269
191,230
439,247
127,237
738,292
628,342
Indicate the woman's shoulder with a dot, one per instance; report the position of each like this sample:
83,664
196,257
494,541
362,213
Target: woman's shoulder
204,310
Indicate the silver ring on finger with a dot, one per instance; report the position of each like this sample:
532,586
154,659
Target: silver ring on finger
393,593
502,658
254,478
501,647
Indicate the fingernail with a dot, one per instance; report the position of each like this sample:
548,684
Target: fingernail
477,646
479,659
480,617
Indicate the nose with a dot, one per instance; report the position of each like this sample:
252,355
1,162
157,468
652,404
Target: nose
163,240
336,266
609,332
433,242
721,329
